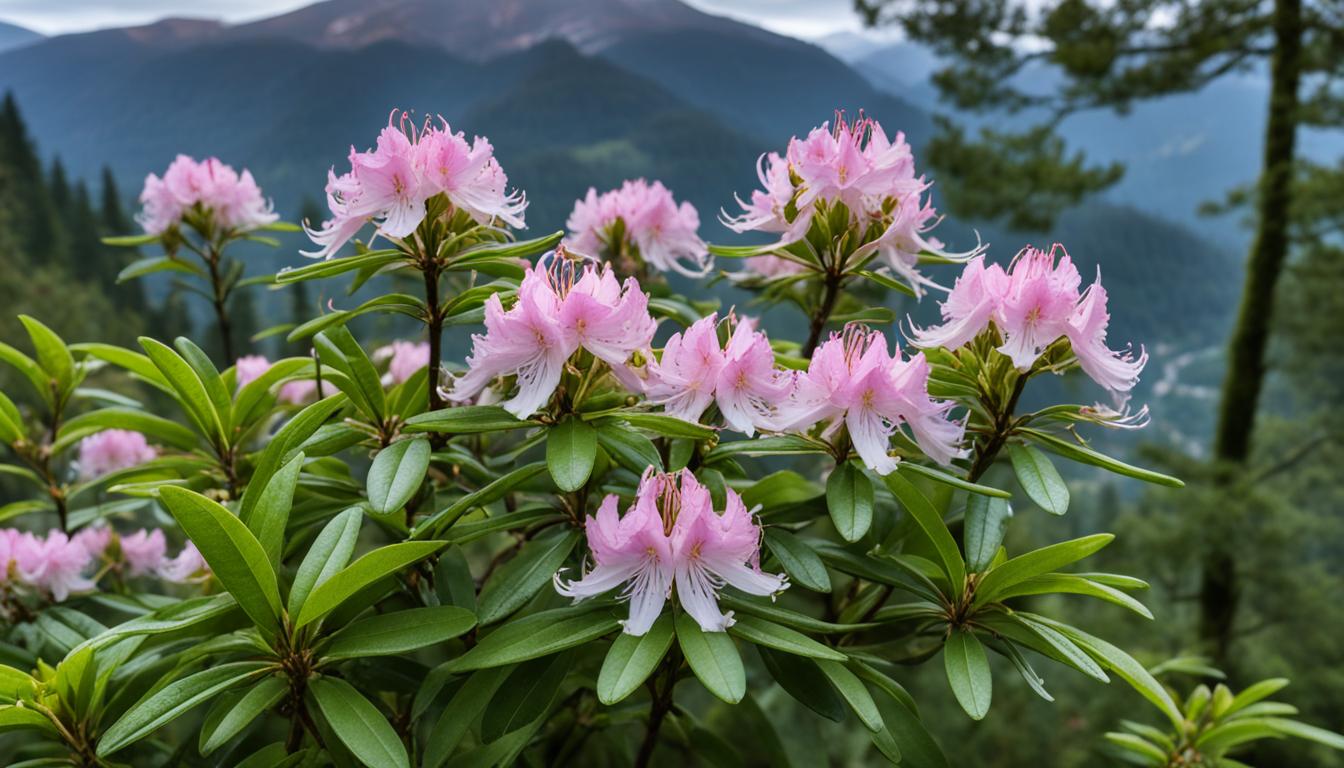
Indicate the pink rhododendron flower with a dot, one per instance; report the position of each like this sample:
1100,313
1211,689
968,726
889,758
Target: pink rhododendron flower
562,306
672,534
112,450
683,381
144,551
94,539
1034,303
857,165
188,566
54,564
390,184
249,368
663,232
404,359
233,200
853,382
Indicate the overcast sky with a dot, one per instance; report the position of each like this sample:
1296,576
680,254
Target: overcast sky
800,18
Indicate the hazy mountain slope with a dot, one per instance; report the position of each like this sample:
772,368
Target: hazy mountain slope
13,36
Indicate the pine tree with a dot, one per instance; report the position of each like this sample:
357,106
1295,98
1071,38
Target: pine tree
1110,55
33,220
114,221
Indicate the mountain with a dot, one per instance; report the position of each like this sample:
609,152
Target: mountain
14,36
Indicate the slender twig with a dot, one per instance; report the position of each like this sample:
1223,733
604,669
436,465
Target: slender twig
660,705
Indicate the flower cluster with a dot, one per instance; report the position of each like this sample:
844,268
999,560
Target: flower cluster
232,201
390,184
853,381
249,368
673,535
642,218
112,450
740,377
851,164
404,359
59,565
1033,303
563,305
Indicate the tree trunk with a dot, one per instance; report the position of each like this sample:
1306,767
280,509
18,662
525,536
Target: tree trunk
1219,590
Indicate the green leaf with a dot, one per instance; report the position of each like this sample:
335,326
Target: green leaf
284,444
396,474
938,476
1256,692
187,386
271,513
778,445
761,632
632,659
361,383
467,420
389,634
630,449
509,250
173,700
660,424
928,519
851,688
1085,455
535,565
156,428
918,748
802,679
713,658
800,561
258,699
799,621
469,701
16,718
395,302
537,635
170,618
985,525
1035,563
888,282
1069,583
52,354
571,449
849,497
1309,732
329,553
358,724
154,264
1039,478
30,370
525,695
328,595
220,396
1125,666
233,553
1150,753
494,491
130,241
968,672
333,267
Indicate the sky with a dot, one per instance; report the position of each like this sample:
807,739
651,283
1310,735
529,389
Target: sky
799,18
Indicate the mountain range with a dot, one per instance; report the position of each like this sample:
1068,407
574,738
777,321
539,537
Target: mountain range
14,36
572,94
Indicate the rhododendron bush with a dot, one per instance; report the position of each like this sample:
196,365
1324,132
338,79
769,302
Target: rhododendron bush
623,513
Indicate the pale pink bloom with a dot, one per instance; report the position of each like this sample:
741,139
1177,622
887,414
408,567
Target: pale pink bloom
233,200
144,551
249,368
683,380
296,392
391,184
853,382
188,566
768,208
1037,304
1086,330
663,233
672,534
94,539
562,306
54,564
404,359
112,450
750,389
712,549
969,306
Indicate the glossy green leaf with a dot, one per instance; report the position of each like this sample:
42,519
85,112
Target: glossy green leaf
713,658
985,525
362,384
802,679
849,498
537,635
525,695
235,556
52,354
496,490
332,267
629,448
328,595
800,561
359,725
927,518
968,672
1039,478
758,631
396,474
469,701
631,660
329,553
533,567
467,420
173,700
187,386
1085,455
853,691
1035,563
660,424
571,449
255,701
389,634
271,514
